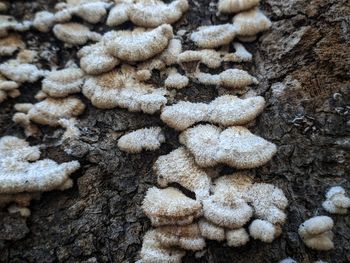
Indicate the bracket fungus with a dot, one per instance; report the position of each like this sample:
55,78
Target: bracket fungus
240,54
147,13
225,110
235,6
237,237
49,111
317,233
95,59
230,78
61,83
214,36
179,167
211,231
186,237
8,88
120,88
175,79
9,23
23,176
250,23
263,230
336,201
43,21
10,44
138,45
170,206
92,11
153,252
142,139
75,33
235,146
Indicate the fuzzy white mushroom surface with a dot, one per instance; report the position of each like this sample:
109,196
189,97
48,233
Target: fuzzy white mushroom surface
235,6
336,201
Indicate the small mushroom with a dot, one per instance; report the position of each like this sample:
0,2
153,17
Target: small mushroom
214,36
237,237
336,201
250,23
235,6
74,33
211,231
263,230
10,44
175,80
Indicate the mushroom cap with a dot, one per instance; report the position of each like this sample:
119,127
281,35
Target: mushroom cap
9,44
235,6
262,230
214,36
315,226
211,231
251,22
237,237
74,33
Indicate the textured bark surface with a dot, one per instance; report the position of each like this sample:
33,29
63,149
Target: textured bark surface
303,65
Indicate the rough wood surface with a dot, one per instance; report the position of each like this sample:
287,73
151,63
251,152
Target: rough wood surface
303,64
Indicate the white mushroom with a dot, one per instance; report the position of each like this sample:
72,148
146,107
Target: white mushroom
336,201
74,33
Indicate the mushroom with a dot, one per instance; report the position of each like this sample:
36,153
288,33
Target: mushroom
237,237
142,139
240,54
263,230
235,6
175,80
214,36
75,33
8,88
234,146
250,23
44,21
9,23
336,201
211,231
170,206
180,167
225,110
119,14
10,44
317,233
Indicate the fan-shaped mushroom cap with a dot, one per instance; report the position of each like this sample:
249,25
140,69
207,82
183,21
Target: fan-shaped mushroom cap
211,231
74,33
8,89
240,54
153,252
119,14
138,45
208,57
8,23
225,110
268,201
230,78
95,59
120,88
237,237
142,139
214,36
317,233
250,23
235,146
20,72
50,110
185,237
336,201
263,230
18,175
44,21
153,13
179,167
235,6
61,83
10,44
171,204
175,80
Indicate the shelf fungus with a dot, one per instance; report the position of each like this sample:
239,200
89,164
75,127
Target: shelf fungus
120,88
230,78
237,237
23,176
142,139
138,45
264,230
235,6
211,231
214,36
153,252
186,237
175,80
61,83
147,13
9,23
250,23
240,54
235,146
336,201
75,33
48,111
95,59
225,110
8,88
317,233
179,167
170,206
92,11
10,44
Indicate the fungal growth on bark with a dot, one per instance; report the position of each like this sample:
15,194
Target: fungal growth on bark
75,33
23,176
138,45
175,80
235,146
61,83
147,13
121,88
9,23
142,139
170,206
225,110
336,201
235,6
10,44
211,231
263,230
180,167
317,233
214,36
8,88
